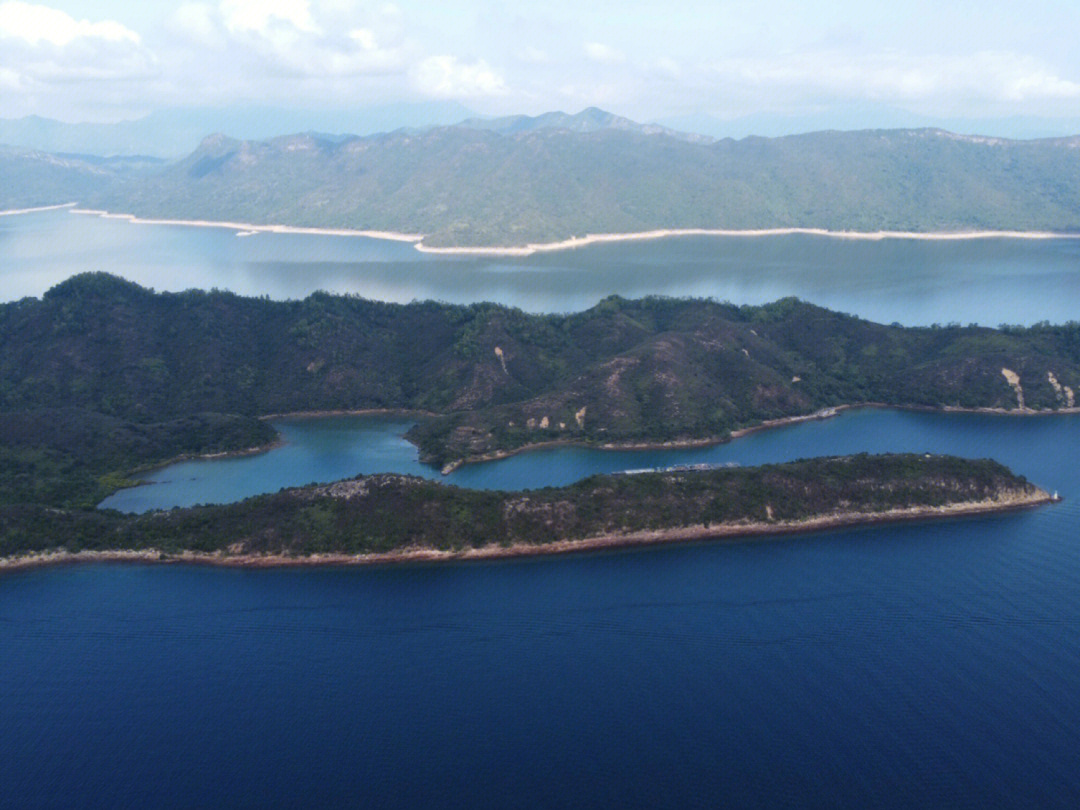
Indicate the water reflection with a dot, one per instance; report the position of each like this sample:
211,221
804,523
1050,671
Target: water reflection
909,281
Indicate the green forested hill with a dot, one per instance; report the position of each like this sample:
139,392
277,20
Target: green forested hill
394,513
495,378
475,187
31,178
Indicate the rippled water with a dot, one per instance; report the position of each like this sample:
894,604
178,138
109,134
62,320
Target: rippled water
931,664
934,664
910,281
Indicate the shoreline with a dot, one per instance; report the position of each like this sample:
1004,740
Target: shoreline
665,233
417,240
643,538
346,412
768,424
17,211
279,441
276,443
629,446
673,444
250,229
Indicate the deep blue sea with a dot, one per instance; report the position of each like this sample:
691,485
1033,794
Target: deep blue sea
923,665
929,665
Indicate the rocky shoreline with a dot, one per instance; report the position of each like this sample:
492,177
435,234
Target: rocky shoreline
768,424
684,534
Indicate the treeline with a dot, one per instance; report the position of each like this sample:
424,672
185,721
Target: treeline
97,347
385,513
72,457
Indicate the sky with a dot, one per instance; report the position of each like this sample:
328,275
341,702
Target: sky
113,59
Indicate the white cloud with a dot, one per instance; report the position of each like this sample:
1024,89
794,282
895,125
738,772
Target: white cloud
365,38
265,39
198,23
41,45
604,54
448,77
902,76
262,15
666,67
533,56
36,24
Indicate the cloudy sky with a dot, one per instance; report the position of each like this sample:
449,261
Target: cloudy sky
113,59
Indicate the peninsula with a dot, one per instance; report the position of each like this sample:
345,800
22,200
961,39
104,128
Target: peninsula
100,377
387,518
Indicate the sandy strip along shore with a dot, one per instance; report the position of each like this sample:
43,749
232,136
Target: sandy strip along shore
247,229
592,239
682,534
359,412
16,211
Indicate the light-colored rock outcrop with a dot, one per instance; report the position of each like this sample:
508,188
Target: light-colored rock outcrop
1013,379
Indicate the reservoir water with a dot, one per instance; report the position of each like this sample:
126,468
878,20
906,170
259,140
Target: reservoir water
910,281
934,664
328,449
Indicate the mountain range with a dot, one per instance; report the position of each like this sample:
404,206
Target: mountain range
172,133
520,180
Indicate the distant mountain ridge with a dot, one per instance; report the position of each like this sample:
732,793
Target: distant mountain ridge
591,119
172,133
34,178
519,181
526,181
869,116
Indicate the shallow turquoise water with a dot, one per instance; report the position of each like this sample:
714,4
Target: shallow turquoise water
328,449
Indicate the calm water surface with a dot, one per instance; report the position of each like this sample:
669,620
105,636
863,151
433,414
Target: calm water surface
328,449
909,281
922,665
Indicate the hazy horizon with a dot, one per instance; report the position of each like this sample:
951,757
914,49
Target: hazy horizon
778,67
176,132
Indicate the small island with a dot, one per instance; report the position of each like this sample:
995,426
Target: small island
394,518
101,379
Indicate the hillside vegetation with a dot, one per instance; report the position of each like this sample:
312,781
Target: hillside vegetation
519,180
30,178
511,182
393,513
101,375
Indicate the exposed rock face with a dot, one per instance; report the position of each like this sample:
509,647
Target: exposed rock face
1064,393
1013,379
